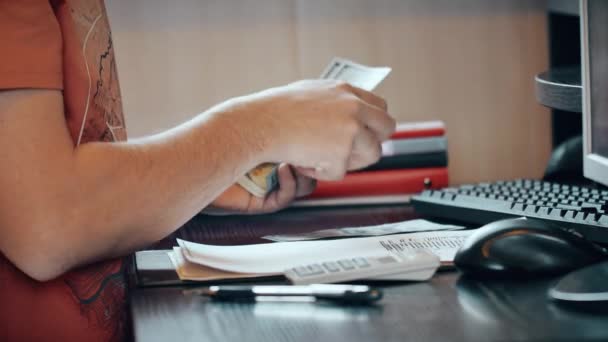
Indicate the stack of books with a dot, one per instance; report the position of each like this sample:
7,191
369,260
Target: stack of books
414,159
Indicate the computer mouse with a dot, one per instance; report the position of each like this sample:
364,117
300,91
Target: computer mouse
525,247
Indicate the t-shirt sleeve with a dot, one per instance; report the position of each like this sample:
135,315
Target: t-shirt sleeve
30,45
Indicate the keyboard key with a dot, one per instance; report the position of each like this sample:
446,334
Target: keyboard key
485,202
591,207
568,207
449,196
426,193
543,211
346,264
331,266
593,218
436,194
302,271
580,217
530,209
569,215
517,206
556,214
315,269
361,262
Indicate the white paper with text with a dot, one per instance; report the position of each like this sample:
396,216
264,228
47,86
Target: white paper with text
411,226
276,257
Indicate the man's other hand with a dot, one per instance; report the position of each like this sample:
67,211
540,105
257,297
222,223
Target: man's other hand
236,200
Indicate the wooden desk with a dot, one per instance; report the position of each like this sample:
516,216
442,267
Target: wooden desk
449,307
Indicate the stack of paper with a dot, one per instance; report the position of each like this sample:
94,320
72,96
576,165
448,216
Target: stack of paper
194,261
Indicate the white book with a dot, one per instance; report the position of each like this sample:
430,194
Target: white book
351,201
413,146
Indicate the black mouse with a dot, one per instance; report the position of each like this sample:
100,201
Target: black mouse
525,247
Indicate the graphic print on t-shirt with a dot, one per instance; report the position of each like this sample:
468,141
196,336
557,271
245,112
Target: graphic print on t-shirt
93,113
97,114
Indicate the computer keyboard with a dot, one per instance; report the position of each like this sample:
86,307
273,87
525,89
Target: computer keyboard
582,209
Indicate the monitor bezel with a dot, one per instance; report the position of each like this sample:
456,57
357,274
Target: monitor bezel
595,167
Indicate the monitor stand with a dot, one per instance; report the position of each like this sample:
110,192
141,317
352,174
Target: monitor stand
587,285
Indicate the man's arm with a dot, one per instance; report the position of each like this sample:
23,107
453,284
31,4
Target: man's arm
62,206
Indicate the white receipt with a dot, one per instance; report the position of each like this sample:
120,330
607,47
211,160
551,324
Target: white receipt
274,258
444,246
411,226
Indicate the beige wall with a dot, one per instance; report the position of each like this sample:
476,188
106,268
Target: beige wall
470,63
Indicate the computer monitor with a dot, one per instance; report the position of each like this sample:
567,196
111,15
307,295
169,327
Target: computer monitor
594,49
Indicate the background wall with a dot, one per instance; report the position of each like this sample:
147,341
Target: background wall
470,63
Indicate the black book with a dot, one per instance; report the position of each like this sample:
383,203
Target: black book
410,161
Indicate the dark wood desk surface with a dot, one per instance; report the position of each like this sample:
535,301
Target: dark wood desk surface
449,307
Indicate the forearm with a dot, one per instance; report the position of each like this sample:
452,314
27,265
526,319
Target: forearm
145,189
106,199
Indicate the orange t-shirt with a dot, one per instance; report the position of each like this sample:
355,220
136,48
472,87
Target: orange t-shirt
65,45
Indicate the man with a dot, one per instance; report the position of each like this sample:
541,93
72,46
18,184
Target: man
76,195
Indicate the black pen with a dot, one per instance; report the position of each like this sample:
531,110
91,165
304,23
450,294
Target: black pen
346,294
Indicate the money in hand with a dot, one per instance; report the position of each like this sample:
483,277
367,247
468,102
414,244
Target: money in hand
264,179
358,75
261,180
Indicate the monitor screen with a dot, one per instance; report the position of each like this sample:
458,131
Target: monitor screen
594,41
598,73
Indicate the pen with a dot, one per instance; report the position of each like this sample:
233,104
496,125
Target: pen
346,294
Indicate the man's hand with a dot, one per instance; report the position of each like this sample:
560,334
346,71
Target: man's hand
236,200
323,127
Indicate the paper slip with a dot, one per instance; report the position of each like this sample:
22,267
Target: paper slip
189,271
263,179
384,229
275,258
356,74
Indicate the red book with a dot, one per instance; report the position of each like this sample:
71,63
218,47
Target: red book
422,129
383,182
